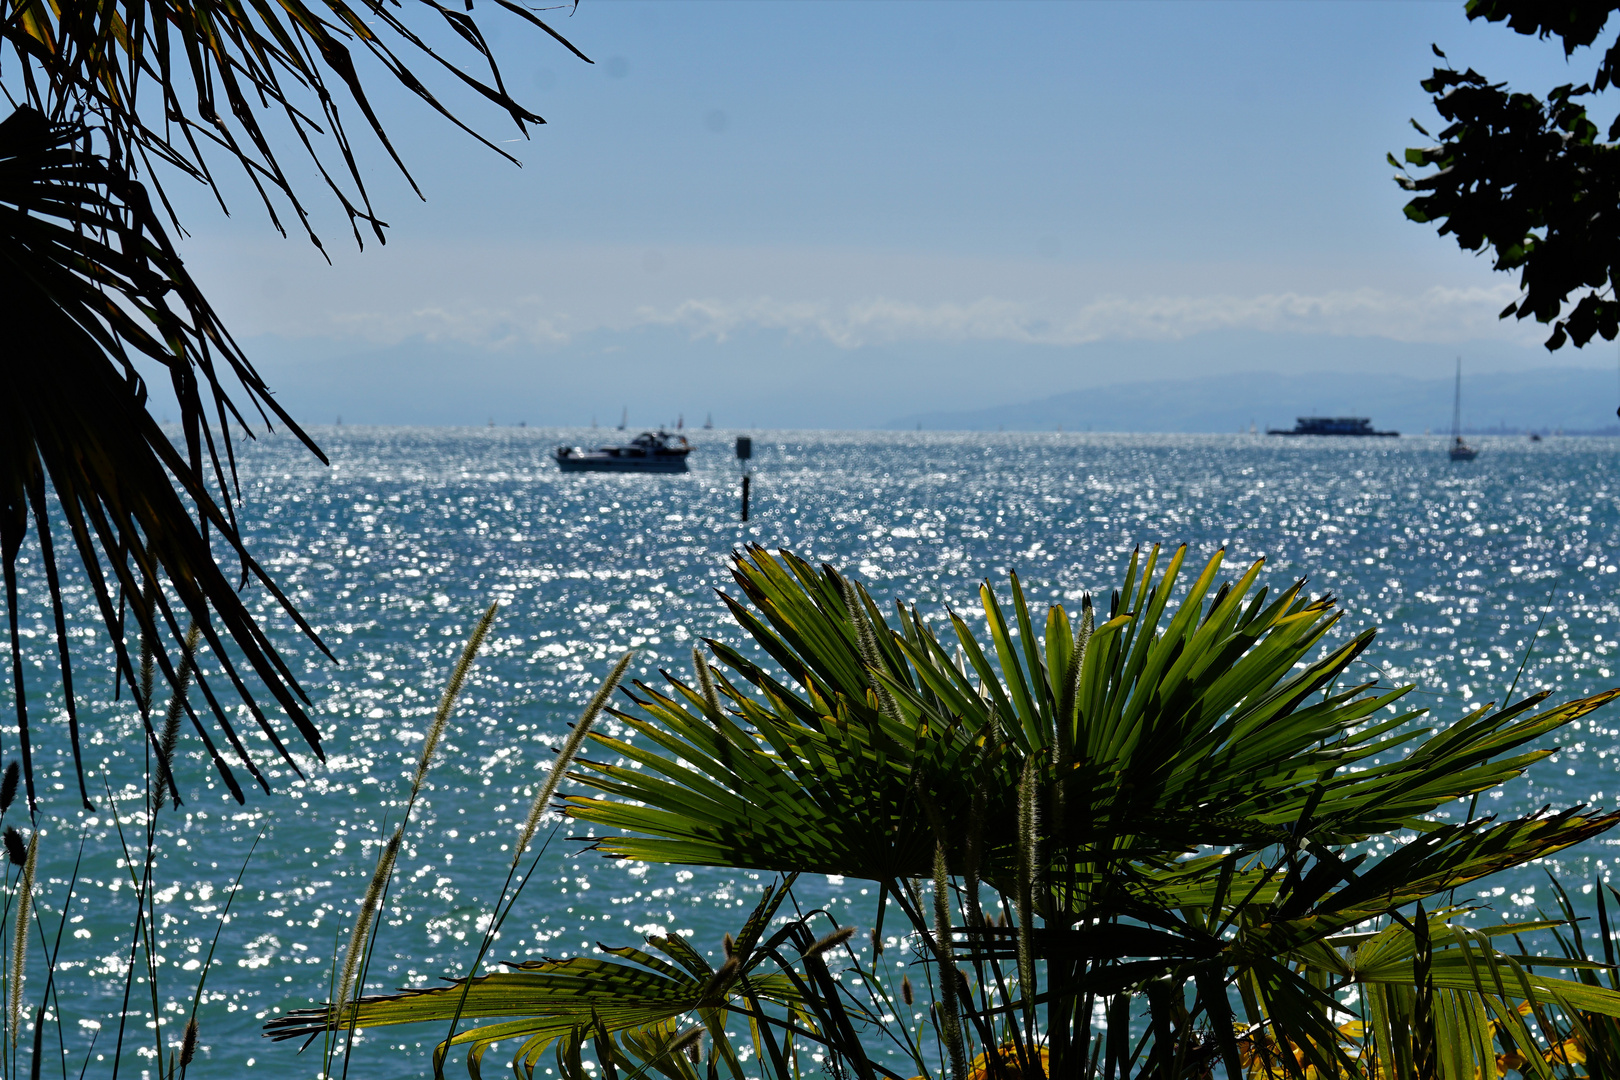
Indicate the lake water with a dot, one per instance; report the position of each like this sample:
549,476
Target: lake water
393,550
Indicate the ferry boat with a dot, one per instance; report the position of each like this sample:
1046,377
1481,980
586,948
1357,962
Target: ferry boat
1332,425
651,451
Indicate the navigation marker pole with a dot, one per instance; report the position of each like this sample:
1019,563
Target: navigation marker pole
745,450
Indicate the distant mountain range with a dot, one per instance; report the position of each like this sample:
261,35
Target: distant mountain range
1538,399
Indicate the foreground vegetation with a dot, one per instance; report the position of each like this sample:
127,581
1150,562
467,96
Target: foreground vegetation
1159,840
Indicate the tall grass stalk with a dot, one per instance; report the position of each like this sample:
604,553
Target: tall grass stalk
19,940
362,921
190,1039
1063,736
171,722
357,955
362,939
565,757
51,951
148,659
950,1011
447,703
137,935
1027,862
378,896
537,810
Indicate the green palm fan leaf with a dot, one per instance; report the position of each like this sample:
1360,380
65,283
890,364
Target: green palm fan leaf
1193,714
560,1004
1449,987
89,282
1198,722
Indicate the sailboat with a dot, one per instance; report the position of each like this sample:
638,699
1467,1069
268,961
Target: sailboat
624,420
1460,451
708,422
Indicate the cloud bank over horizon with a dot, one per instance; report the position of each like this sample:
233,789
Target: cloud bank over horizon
499,297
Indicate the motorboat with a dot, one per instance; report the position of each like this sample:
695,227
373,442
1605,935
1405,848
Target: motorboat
651,451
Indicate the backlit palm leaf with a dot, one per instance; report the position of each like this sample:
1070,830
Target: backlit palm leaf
1205,725
563,1003
1193,716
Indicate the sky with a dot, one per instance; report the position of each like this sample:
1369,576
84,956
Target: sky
827,214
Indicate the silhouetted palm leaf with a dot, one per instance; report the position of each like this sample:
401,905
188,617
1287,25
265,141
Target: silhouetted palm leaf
88,283
170,81
116,90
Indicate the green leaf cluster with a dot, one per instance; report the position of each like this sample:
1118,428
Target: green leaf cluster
1529,178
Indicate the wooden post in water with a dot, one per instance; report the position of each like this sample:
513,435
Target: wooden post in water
745,450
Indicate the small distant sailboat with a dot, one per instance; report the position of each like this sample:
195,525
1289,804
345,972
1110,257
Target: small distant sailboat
680,421
708,422
1460,451
624,419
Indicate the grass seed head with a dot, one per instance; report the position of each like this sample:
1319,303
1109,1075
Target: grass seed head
16,849
19,934
170,738
452,691
720,980
362,924
565,756
711,696
831,941
188,1048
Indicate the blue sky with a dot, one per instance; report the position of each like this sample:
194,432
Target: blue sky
949,203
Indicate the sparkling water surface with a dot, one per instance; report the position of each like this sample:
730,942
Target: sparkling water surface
393,550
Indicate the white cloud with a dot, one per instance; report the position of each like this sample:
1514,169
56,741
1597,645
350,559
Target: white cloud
496,296
1434,315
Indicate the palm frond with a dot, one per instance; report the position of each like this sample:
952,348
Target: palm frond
175,82
89,283
545,1003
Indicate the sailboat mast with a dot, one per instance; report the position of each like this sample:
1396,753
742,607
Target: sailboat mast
1456,405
